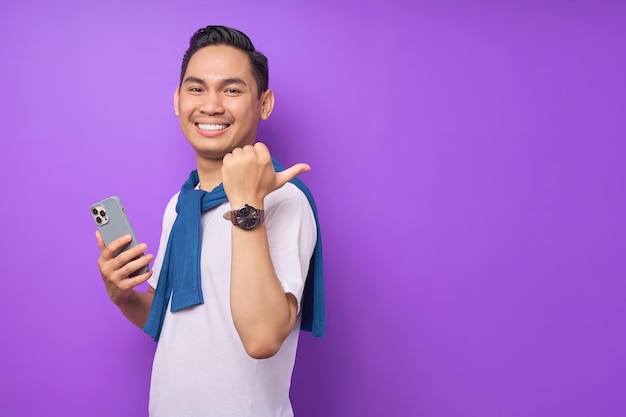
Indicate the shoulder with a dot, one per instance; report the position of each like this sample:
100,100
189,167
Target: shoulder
288,197
285,193
289,206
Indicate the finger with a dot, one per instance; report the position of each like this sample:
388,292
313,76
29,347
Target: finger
130,255
263,152
135,264
101,244
116,245
261,147
290,173
129,283
248,148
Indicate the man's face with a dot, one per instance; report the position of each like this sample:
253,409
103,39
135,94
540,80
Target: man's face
218,105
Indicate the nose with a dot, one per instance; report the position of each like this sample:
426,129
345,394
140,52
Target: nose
212,104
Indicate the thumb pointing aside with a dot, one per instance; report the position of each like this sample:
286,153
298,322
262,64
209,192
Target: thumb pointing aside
290,173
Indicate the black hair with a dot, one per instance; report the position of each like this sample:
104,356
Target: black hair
222,35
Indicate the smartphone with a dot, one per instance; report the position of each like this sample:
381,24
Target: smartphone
112,221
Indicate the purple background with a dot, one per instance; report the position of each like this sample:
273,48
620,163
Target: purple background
468,164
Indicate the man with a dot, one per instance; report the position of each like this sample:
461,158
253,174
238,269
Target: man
225,301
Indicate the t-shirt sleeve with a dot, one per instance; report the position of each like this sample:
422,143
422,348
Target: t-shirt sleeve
292,234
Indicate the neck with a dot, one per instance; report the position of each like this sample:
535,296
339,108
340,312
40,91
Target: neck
209,173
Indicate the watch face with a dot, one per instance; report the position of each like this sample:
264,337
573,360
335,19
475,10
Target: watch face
247,217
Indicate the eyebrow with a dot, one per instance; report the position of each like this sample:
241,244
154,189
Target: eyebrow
226,81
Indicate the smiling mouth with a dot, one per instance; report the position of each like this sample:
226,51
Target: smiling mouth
211,127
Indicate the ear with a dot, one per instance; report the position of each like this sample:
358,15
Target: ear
176,97
267,104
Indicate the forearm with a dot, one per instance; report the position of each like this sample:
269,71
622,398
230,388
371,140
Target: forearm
262,313
136,307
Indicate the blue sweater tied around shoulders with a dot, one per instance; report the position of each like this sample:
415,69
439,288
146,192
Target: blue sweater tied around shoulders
180,272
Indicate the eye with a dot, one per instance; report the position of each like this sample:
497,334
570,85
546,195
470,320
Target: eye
232,91
195,90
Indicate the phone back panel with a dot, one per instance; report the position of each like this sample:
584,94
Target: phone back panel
112,221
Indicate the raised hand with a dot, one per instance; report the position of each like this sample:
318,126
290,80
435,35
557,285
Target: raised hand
248,175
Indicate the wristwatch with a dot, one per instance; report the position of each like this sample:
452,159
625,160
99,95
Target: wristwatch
246,217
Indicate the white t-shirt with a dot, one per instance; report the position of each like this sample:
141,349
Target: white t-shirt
200,367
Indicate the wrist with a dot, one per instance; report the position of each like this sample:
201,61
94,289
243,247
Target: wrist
124,299
246,217
237,203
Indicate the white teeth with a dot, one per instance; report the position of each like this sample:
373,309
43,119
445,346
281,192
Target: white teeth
205,126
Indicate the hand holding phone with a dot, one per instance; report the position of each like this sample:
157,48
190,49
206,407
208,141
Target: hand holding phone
113,223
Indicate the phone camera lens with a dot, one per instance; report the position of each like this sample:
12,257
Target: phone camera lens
98,220
102,213
94,211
